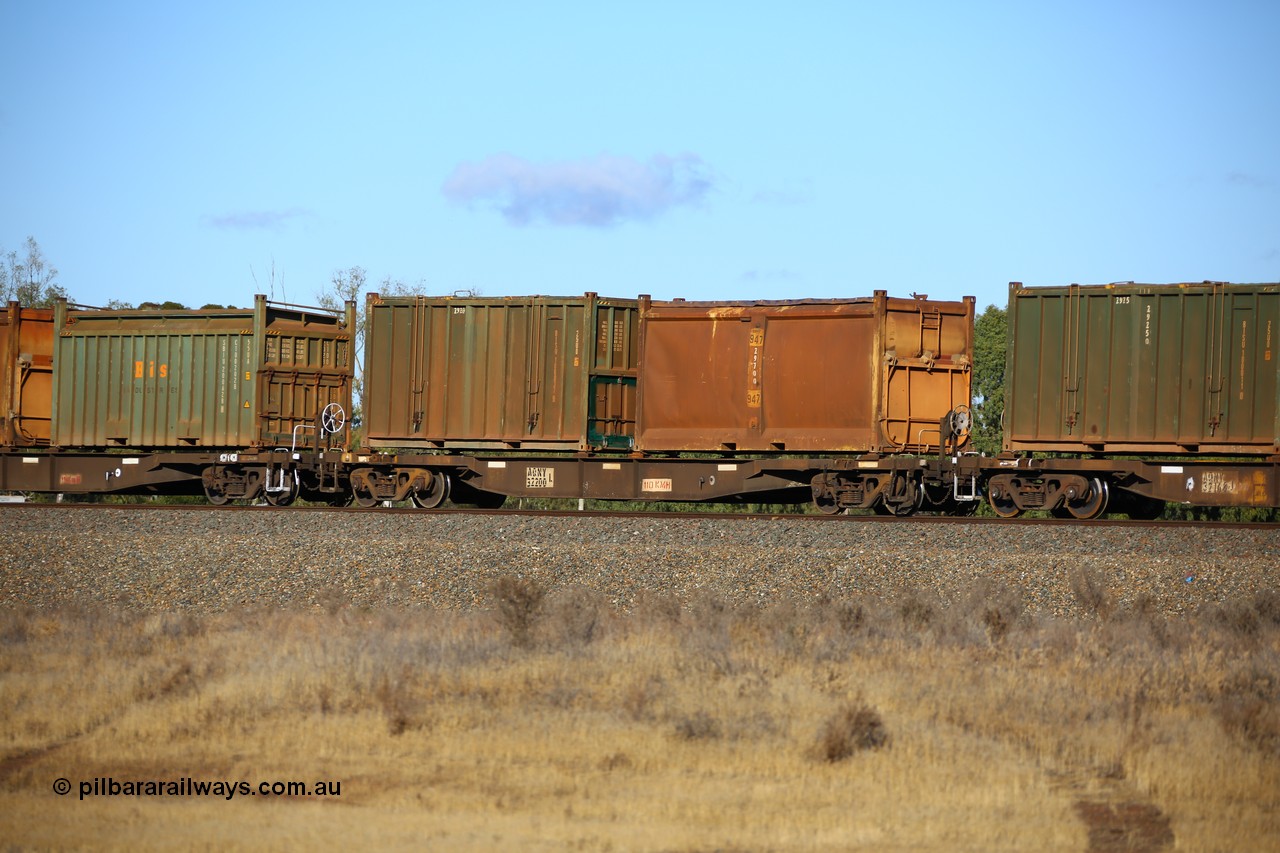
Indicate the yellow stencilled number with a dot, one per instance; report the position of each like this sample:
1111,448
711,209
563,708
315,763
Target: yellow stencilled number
137,370
753,399
757,338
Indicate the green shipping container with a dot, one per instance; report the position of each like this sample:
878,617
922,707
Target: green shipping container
1140,368
538,372
215,378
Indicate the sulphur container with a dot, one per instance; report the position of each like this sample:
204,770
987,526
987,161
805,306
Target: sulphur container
216,378
869,374
1144,368
536,372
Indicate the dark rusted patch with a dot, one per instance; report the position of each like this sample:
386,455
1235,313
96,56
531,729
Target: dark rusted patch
1131,827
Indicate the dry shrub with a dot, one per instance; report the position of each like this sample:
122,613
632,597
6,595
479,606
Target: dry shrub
1267,605
852,729
917,612
1248,706
16,625
575,616
403,707
519,606
1253,719
997,607
1091,594
1250,619
849,616
698,726
639,697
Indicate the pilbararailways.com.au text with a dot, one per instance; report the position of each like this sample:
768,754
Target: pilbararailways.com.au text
188,787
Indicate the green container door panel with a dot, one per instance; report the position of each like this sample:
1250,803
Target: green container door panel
1252,370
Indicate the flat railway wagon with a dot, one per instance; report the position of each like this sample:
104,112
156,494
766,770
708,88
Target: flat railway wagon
212,400
611,394
1185,375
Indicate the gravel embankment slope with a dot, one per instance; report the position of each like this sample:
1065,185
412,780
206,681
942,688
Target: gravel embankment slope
213,561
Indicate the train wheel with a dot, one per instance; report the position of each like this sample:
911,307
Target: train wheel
827,507
1002,504
434,493
906,497
1091,505
365,498
214,495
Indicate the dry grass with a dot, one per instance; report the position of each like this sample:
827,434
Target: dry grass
553,721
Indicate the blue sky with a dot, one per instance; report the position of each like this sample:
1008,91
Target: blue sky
206,151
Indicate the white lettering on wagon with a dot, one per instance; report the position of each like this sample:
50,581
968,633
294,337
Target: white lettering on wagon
1217,483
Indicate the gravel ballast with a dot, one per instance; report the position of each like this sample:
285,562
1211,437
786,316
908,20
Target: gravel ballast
211,561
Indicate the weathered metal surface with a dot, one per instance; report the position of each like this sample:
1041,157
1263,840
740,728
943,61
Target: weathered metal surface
26,383
95,473
1139,368
852,375
1035,483
535,372
226,378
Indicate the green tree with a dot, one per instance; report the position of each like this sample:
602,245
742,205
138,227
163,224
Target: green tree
989,342
29,278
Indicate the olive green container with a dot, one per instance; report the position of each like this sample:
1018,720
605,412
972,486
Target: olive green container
1142,368
536,372
215,378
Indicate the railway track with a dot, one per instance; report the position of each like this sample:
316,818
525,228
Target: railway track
409,510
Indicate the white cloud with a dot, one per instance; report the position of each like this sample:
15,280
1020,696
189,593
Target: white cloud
599,192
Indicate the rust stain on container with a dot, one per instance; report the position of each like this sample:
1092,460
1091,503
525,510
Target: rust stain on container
851,375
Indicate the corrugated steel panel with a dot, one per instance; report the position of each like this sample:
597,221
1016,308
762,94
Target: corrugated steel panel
26,389
851,375
532,372
1140,368
224,378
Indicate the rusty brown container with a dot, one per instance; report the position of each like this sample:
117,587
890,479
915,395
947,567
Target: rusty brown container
1141,368
840,375
26,389
217,378
539,372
